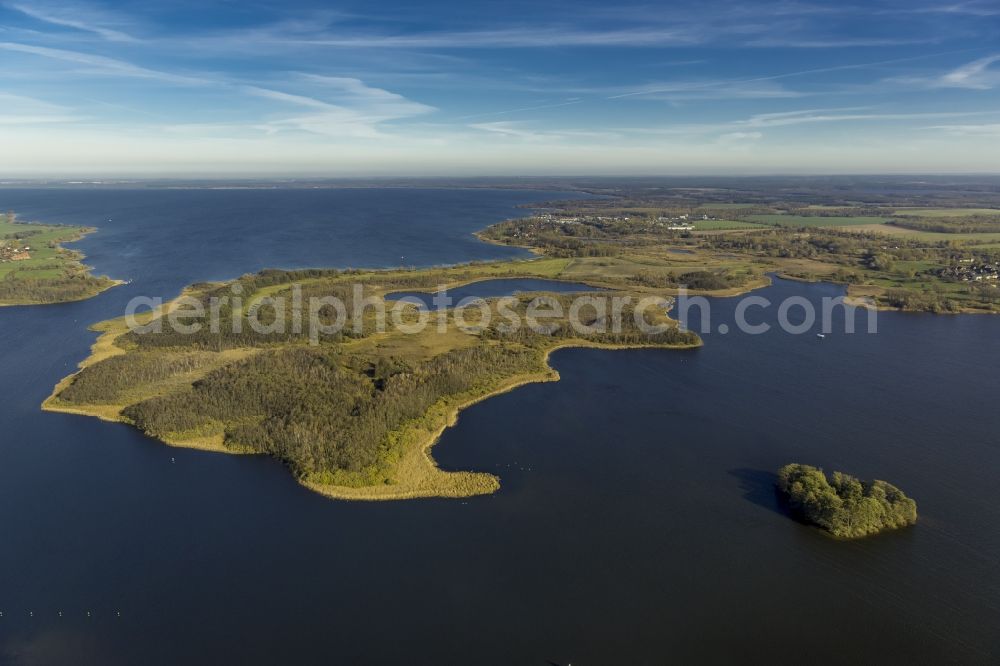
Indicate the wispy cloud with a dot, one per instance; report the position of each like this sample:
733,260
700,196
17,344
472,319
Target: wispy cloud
377,101
506,128
522,130
650,90
526,37
351,108
683,24
533,107
812,116
752,125
712,89
982,130
21,110
976,74
821,42
739,138
76,16
279,96
974,8
539,82
104,65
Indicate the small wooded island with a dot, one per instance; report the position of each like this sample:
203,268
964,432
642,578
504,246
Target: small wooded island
35,269
844,506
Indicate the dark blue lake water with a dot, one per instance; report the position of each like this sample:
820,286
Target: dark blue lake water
637,523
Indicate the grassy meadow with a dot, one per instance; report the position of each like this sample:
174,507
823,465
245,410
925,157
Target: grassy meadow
797,221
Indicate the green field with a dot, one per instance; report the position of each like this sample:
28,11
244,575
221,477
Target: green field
53,274
45,261
935,236
946,212
716,225
730,206
796,221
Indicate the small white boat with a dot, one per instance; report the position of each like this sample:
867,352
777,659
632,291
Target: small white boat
820,335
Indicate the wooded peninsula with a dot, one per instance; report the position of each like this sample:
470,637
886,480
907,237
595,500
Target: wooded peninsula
352,414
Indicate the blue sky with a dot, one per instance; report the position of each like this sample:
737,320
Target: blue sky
497,88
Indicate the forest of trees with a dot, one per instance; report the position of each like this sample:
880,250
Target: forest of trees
603,327
927,300
320,413
17,287
701,280
843,505
106,382
965,224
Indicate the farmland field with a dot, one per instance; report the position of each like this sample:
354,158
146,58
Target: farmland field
807,221
892,230
730,206
45,261
715,225
946,212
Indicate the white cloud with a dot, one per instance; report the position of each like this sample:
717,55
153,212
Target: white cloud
740,137
356,109
976,75
353,108
531,37
521,130
536,107
79,17
289,98
356,93
973,8
982,130
784,42
747,127
837,116
21,110
103,64
749,81
507,128
707,90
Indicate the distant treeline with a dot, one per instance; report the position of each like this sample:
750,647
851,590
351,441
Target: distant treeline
843,505
969,224
21,235
845,211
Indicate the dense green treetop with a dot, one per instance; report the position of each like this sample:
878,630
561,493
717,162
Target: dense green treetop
843,505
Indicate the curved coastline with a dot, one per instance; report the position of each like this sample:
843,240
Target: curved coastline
436,482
